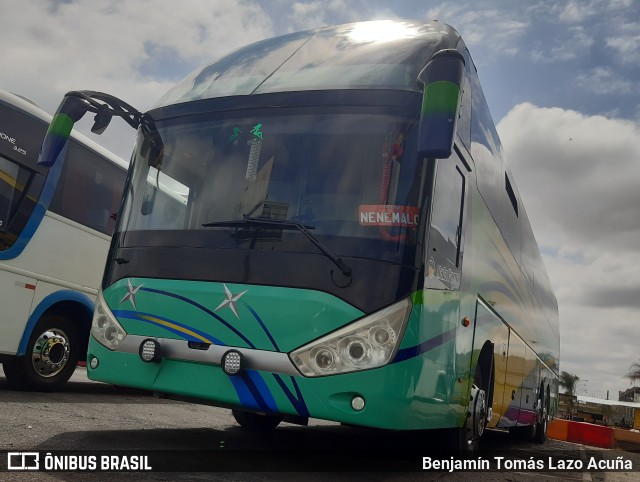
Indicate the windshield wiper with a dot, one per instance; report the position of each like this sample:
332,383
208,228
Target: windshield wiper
284,224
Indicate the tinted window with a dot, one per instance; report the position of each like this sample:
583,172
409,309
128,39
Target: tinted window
89,189
446,220
445,235
20,179
14,181
353,179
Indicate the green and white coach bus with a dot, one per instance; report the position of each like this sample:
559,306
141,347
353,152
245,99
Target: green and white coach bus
55,229
324,225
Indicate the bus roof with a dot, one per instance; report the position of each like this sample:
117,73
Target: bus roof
382,54
28,107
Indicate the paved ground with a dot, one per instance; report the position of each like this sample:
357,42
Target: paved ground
90,416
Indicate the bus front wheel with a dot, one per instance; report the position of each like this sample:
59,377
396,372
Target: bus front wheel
466,439
256,421
51,356
542,422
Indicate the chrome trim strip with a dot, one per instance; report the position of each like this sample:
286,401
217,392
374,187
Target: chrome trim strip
268,361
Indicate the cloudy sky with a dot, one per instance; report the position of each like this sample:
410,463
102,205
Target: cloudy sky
562,79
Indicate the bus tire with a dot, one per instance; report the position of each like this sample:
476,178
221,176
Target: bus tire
540,436
466,439
52,356
523,433
256,421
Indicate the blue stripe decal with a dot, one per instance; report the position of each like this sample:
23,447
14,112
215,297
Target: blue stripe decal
260,391
45,304
261,385
255,393
297,401
202,308
136,315
244,395
424,347
264,327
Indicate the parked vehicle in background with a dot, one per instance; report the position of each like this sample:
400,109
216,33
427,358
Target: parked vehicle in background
55,227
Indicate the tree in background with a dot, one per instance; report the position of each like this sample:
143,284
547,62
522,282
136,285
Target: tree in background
634,372
569,382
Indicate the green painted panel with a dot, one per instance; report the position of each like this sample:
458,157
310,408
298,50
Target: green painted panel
250,316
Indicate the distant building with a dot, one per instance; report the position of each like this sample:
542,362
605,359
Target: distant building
607,412
631,395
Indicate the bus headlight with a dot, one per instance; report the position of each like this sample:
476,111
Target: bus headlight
370,342
105,328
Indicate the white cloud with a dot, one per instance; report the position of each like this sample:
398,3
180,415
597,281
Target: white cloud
577,176
497,32
619,4
626,43
102,45
567,48
317,13
575,12
603,80
107,45
587,164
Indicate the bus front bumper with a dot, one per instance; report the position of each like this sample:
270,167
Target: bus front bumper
394,396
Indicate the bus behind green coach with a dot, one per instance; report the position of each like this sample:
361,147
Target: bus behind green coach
325,225
56,221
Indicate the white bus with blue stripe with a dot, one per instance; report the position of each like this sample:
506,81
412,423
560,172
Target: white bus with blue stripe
55,229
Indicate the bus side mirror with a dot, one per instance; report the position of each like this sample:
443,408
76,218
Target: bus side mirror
442,79
69,112
76,104
101,121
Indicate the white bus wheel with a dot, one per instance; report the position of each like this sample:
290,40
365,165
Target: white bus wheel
51,356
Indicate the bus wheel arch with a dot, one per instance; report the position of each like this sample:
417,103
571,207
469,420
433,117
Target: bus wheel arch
55,344
483,381
80,316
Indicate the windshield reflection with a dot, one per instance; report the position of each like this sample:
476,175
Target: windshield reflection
354,177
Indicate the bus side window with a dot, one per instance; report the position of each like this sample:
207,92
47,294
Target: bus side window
10,190
89,190
446,219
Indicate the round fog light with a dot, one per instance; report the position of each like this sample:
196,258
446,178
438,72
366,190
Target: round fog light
149,350
357,403
232,362
94,363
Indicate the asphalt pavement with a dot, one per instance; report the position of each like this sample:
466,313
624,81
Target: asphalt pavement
92,419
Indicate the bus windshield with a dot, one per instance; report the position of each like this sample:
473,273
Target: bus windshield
13,180
352,179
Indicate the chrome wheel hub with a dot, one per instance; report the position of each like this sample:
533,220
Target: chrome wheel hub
479,414
50,352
